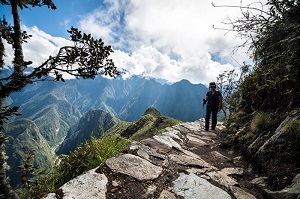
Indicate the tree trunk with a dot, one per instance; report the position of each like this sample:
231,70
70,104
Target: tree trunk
17,41
5,187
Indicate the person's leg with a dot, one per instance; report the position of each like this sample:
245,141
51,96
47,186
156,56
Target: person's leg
207,117
214,118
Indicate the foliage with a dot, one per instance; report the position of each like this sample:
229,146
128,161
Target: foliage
27,170
259,121
227,84
150,124
272,87
87,58
293,127
7,112
87,156
273,35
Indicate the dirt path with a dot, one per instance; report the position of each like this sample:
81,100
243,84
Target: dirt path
193,142
183,162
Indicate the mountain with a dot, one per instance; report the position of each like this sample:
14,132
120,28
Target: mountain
94,122
49,108
182,100
24,136
98,122
150,124
125,99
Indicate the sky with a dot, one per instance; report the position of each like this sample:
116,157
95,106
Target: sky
165,39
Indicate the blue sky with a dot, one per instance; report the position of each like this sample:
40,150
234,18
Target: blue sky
167,39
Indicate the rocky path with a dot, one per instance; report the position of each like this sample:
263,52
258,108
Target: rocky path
184,162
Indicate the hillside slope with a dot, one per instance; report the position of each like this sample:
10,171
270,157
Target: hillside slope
24,137
99,123
93,123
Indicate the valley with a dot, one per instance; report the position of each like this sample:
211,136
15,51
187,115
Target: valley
66,114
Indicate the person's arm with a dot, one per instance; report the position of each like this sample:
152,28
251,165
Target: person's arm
205,99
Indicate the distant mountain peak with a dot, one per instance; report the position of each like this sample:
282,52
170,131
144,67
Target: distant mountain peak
153,111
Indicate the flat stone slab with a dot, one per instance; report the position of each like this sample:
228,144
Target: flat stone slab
90,185
193,187
192,126
144,151
172,135
220,156
188,160
222,178
157,146
167,141
196,140
206,133
134,166
233,171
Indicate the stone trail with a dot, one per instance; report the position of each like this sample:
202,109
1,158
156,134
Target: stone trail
184,162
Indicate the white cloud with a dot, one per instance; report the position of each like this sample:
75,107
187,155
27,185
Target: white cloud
41,45
169,39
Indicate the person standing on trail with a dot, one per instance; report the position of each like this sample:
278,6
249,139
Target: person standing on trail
214,105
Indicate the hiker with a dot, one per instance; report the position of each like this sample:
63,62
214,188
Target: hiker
214,105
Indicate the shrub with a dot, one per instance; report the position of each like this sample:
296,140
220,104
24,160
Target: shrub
259,121
87,156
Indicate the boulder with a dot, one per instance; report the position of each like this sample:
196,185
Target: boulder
134,166
90,185
193,187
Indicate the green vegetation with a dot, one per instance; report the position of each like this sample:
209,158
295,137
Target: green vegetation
24,136
293,127
94,152
268,92
90,56
87,156
150,124
259,122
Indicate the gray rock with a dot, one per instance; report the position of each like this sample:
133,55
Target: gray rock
141,150
167,141
150,191
220,156
233,171
278,133
173,133
260,181
166,195
188,160
240,193
197,141
89,185
193,187
206,134
192,126
294,188
222,178
291,191
157,146
134,166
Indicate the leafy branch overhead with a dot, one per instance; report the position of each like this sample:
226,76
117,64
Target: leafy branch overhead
87,58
